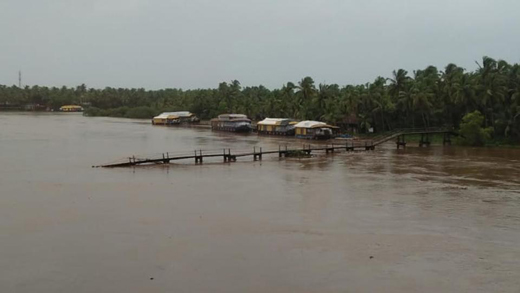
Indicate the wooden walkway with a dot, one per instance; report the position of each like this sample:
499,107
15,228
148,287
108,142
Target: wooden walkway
283,151
425,133
228,156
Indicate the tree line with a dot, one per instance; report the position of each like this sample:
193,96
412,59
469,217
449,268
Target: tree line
422,98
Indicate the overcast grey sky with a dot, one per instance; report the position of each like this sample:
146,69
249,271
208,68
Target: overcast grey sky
199,43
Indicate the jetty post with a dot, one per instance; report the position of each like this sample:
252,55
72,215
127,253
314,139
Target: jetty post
349,148
198,158
401,141
230,157
260,155
307,151
446,140
257,156
331,149
425,140
369,147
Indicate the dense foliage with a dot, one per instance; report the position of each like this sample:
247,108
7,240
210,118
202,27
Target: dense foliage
427,97
472,131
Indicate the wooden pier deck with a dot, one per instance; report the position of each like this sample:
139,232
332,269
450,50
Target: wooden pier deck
231,156
283,151
425,133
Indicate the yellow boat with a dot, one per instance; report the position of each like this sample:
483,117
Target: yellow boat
276,126
71,108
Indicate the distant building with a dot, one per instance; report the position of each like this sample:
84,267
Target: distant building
349,124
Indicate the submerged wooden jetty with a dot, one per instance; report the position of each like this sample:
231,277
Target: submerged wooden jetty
284,151
425,133
228,156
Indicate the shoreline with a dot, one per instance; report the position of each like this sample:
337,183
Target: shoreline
205,124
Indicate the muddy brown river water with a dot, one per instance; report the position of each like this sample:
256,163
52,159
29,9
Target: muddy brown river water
438,219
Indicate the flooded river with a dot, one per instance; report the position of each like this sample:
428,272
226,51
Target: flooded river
438,219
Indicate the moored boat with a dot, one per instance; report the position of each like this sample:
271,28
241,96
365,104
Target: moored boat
231,122
315,130
71,108
175,118
276,126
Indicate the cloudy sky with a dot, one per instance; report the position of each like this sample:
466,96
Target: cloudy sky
199,43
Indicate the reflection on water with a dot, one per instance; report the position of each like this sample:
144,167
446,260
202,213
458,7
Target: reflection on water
432,219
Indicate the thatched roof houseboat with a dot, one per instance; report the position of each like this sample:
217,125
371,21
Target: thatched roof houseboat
315,130
231,122
276,126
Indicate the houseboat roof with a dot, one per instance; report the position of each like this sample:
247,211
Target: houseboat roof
232,116
71,107
275,121
313,124
177,114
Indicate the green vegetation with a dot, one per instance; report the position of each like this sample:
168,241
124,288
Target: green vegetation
141,112
471,129
425,98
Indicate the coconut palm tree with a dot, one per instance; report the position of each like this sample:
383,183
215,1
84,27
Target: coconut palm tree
398,82
306,92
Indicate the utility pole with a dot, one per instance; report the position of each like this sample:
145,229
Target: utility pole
20,79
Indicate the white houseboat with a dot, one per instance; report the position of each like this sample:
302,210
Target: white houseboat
231,122
175,118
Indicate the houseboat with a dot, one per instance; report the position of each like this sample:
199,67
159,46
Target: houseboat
175,118
315,130
71,108
231,122
276,126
